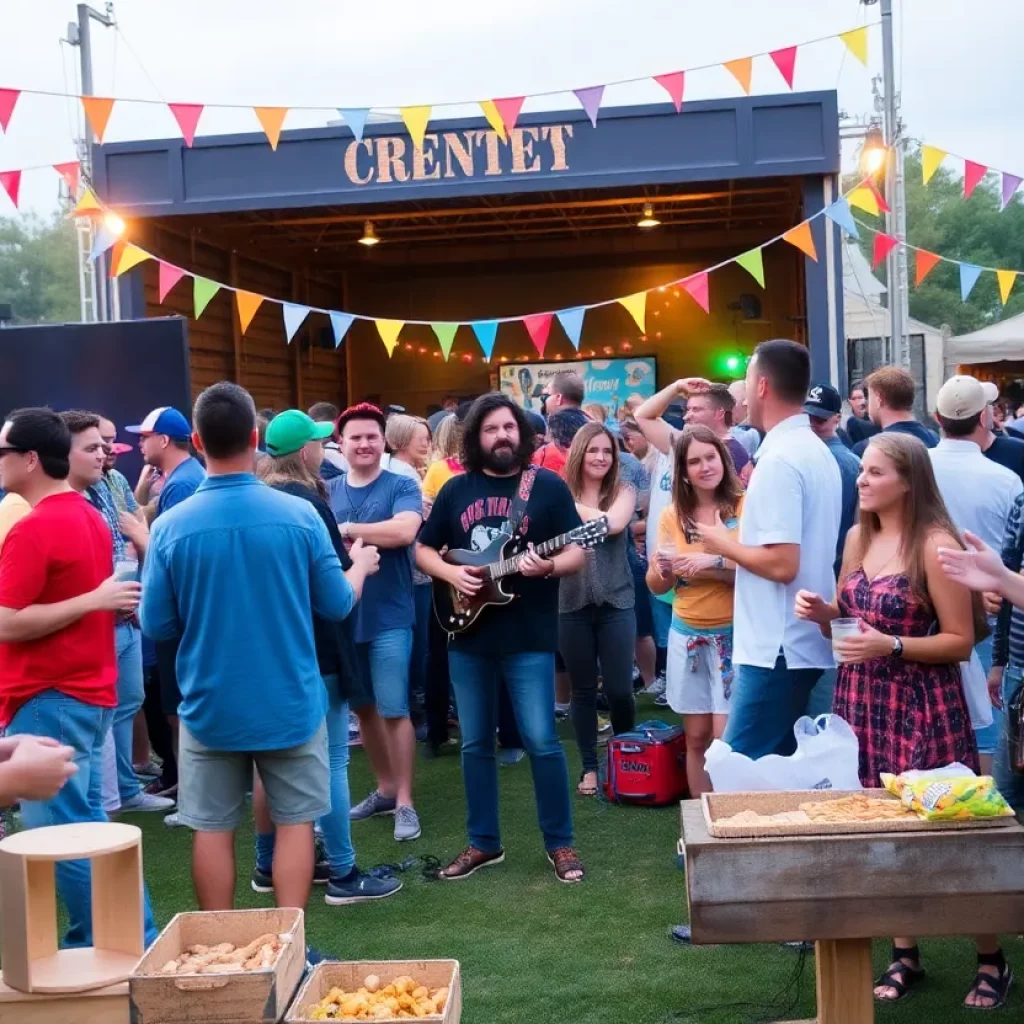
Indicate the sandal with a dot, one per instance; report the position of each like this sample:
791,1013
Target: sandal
564,860
900,976
585,790
988,986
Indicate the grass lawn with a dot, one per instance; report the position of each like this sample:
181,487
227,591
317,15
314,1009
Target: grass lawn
535,951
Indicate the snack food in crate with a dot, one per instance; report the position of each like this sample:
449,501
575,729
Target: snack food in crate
225,958
936,797
402,999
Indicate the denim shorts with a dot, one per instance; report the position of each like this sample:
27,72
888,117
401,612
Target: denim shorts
386,664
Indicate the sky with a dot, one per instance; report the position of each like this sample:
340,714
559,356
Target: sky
958,63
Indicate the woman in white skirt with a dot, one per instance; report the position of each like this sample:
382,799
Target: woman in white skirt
705,490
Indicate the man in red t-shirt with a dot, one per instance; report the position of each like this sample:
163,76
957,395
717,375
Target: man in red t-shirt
58,671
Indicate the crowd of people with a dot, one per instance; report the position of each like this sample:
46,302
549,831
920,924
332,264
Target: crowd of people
739,521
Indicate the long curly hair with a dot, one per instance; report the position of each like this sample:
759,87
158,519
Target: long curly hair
472,449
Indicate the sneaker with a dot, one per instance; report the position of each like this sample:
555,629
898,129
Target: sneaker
657,688
159,787
147,802
509,756
603,724
561,712
373,806
314,957
173,820
321,866
661,701
263,881
150,769
469,862
407,824
355,738
359,888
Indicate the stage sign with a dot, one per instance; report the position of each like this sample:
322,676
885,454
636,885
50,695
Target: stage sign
607,381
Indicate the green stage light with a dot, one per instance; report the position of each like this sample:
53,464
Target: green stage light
732,363
729,363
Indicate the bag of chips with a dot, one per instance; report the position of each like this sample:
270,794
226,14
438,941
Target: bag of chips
939,797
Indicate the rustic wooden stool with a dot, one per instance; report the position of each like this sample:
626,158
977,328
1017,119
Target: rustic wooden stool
32,961
97,1006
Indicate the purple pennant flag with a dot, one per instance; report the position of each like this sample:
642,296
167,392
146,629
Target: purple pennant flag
1010,185
591,100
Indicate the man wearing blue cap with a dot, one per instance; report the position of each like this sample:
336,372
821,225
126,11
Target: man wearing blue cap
163,440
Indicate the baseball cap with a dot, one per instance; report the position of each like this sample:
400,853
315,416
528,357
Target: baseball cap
962,397
823,401
165,420
288,431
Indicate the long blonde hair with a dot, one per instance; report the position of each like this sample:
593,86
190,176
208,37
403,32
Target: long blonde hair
401,429
289,469
609,489
448,439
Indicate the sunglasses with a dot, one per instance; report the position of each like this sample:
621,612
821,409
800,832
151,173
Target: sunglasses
9,450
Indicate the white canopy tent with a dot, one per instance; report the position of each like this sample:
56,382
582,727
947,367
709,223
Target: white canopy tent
997,343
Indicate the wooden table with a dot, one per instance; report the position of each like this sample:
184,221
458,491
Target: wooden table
841,891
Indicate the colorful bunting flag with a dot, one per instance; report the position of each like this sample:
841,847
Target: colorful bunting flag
864,199
445,337
416,120
753,263
131,256
857,43
969,274
493,118
673,84
169,276
508,110
187,115
355,118
340,323
97,111
930,160
70,172
248,303
11,182
1011,182
102,241
884,244
801,237
879,198
389,331
87,206
203,289
572,323
973,173
486,331
785,61
741,70
271,119
697,287
8,99
590,100
115,256
636,305
538,327
924,261
839,213
1005,279
294,315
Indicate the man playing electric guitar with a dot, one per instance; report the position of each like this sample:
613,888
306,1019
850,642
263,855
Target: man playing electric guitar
516,641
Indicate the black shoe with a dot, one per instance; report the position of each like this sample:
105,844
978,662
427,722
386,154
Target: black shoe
681,933
262,881
360,888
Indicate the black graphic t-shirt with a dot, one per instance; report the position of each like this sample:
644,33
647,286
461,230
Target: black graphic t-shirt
469,512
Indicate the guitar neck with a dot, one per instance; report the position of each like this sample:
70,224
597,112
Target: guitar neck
508,566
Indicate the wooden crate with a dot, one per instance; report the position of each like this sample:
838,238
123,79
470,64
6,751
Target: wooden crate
349,976
247,997
98,1006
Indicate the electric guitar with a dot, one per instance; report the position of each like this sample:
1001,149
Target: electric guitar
456,611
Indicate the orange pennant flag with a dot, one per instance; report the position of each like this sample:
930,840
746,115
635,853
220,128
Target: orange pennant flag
248,303
97,110
741,70
271,118
131,256
801,237
924,262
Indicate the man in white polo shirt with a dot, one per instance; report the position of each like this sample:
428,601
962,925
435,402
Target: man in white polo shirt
787,542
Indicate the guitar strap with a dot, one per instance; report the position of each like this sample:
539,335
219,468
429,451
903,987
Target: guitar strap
517,512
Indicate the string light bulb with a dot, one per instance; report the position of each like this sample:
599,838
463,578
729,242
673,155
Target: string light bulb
113,223
648,220
369,235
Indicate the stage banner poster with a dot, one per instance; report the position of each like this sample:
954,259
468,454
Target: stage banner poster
607,381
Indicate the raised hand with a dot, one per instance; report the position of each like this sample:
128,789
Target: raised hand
812,607
978,568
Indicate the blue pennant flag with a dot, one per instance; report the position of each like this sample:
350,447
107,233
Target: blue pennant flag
969,274
103,241
572,323
839,212
293,317
340,323
355,118
486,331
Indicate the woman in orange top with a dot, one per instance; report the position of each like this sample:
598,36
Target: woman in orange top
446,456
705,490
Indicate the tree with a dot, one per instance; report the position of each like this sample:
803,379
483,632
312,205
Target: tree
39,269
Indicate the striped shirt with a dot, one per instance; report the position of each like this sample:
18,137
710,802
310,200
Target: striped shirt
1008,644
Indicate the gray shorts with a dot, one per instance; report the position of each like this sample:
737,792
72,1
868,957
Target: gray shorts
212,784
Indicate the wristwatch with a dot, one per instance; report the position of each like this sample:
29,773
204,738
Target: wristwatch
897,647
345,530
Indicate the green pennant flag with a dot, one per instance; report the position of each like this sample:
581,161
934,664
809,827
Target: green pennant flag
446,336
202,291
752,263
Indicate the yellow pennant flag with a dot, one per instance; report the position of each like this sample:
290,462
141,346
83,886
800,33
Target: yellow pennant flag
416,120
801,237
493,117
637,306
741,70
1005,279
857,43
271,119
131,256
864,199
248,303
389,331
87,205
930,160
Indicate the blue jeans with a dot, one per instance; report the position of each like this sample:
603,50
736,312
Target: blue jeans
336,826
386,663
420,645
820,700
766,702
83,727
1008,782
530,678
131,692
662,614
988,737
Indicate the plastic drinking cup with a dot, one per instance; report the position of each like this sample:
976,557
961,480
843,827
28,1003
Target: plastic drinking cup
842,628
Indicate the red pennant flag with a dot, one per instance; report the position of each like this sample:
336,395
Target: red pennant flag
508,110
883,206
11,182
673,85
883,246
187,115
169,277
8,97
538,327
697,286
785,61
973,173
70,173
924,261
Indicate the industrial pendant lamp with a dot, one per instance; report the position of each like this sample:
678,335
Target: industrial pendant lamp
648,220
369,235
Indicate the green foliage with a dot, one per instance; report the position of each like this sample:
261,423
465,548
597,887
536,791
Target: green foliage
39,269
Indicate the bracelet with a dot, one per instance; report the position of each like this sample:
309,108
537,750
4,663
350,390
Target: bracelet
345,529
551,572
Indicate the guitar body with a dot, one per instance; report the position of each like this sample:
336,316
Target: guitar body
456,611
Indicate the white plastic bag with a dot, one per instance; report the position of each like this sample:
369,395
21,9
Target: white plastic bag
826,758
975,684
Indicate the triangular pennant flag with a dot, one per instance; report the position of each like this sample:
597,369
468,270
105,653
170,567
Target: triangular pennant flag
636,304
590,100
87,206
839,213
102,241
202,291
115,256
8,98
248,303
973,173
857,43
445,336
969,274
493,118
785,61
753,264
924,262
572,323
1005,279
169,276
930,160
697,288
884,244
70,172
293,318
486,331
271,119
741,70
187,115
355,118
538,327
801,237
508,110
11,182
340,323
1011,182
879,198
416,120
389,331
864,199
131,256
97,110
673,85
